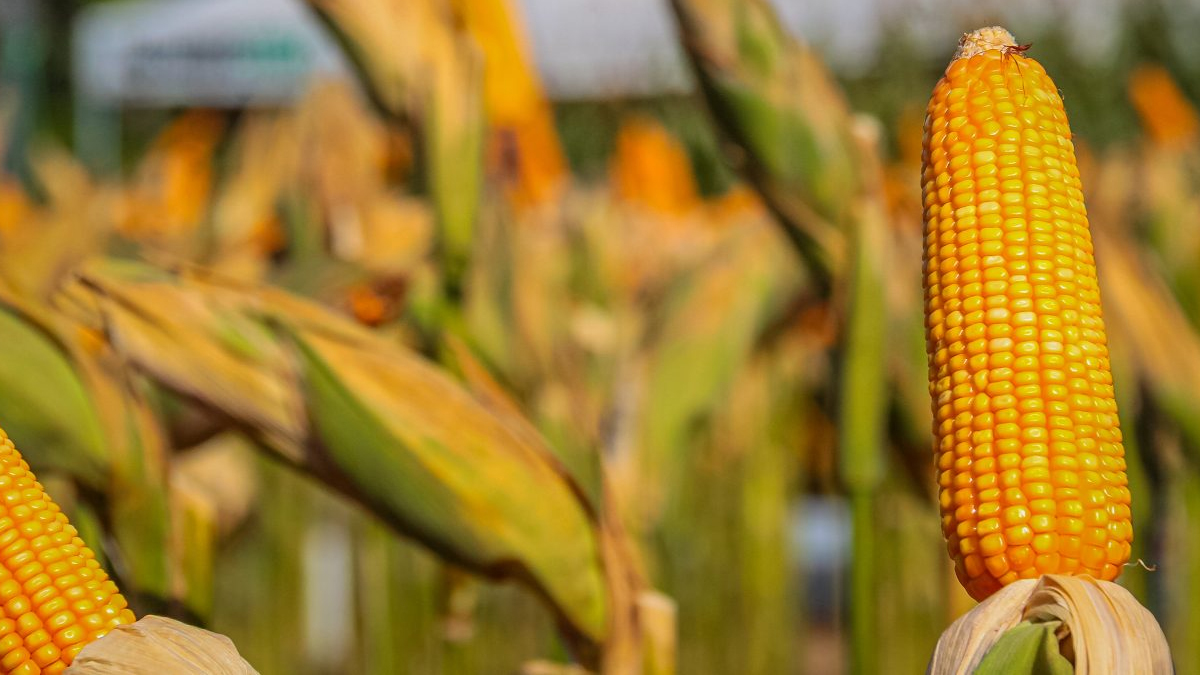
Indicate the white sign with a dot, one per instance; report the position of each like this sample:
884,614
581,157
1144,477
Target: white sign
218,53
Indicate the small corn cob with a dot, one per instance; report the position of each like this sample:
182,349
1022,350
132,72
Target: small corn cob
1031,468
54,597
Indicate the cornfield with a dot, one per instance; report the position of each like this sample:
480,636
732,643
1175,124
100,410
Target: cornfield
407,376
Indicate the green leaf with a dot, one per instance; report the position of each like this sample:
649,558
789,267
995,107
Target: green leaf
430,459
1027,648
44,406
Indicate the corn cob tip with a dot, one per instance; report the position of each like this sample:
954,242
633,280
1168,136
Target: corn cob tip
982,40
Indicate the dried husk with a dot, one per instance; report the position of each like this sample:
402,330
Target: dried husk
156,645
1104,629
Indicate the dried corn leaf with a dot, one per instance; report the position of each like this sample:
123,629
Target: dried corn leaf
138,505
394,235
136,452
657,615
156,645
212,490
418,66
220,473
263,158
193,543
1103,628
551,668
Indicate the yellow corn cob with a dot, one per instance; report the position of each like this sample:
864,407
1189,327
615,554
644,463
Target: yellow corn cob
54,597
1031,469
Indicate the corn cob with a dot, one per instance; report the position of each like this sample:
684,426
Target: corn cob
54,596
1031,469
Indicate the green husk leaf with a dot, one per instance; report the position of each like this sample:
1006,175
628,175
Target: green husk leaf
1028,648
44,405
432,461
783,110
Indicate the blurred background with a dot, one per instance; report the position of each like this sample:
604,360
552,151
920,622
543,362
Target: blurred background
491,336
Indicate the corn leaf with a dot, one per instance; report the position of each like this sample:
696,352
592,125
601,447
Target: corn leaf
862,423
138,504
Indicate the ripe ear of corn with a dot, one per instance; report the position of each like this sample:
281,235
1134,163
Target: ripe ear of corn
54,596
1031,467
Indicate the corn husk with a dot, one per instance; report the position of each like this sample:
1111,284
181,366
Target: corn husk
57,420
155,645
373,420
783,110
1102,629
